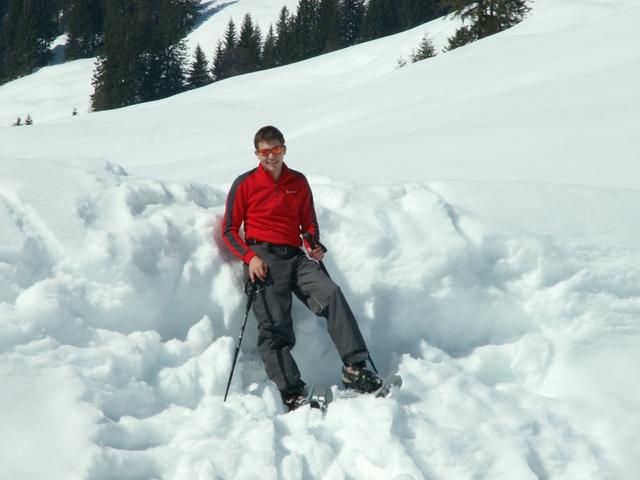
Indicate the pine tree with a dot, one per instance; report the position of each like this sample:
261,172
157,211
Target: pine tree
164,73
144,56
381,19
463,36
6,35
186,11
3,4
248,48
327,32
268,56
17,123
216,66
351,17
164,51
284,38
85,28
305,26
28,27
28,121
59,10
485,17
425,50
119,68
416,12
226,64
199,71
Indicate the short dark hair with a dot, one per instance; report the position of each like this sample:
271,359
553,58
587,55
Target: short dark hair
266,134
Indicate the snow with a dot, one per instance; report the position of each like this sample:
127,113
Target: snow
481,214
50,93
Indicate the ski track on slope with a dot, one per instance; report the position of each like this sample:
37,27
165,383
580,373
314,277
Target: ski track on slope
146,324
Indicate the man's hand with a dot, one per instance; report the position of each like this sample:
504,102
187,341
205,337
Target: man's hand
316,253
257,269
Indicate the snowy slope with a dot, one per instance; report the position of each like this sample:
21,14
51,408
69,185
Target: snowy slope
481,213
53,92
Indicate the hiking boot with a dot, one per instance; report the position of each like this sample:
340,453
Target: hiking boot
360,379
293,399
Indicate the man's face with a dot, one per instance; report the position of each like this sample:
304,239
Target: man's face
271,153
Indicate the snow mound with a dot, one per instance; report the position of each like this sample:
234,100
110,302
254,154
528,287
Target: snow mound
115,285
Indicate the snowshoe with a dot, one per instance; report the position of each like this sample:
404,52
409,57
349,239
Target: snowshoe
361,380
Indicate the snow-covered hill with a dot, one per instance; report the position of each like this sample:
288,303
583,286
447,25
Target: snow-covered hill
481,214
52,93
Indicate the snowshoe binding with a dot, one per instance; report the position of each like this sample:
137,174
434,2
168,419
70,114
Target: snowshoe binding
360,379
318,396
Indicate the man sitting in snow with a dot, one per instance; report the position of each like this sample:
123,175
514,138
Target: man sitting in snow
276,205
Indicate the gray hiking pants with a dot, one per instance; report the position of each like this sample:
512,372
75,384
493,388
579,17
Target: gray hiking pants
291,271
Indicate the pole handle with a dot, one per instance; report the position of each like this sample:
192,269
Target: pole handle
312,242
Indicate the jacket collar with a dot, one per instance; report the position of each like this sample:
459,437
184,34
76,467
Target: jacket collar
263,173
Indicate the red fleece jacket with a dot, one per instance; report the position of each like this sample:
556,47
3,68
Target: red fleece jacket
275,212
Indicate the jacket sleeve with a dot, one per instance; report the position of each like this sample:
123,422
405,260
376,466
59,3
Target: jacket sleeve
234,214
309,221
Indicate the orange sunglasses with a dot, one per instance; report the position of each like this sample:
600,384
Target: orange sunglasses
264,152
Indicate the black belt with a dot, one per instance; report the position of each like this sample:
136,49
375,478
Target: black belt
253,241
281,250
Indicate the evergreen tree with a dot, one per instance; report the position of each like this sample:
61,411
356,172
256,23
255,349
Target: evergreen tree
381,19
7,32
28,28
327,32
248,49
163,50
231,36
216,66
226,64
408,12
416,12
28,121
119,68
144,56
268,56
84,20
425,50
485,17
17,123
351,17
199,74
463,36
305,26
186,12
164,72
284,38
59,9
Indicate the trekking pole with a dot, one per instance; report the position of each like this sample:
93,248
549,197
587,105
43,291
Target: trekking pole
313,244
252,292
